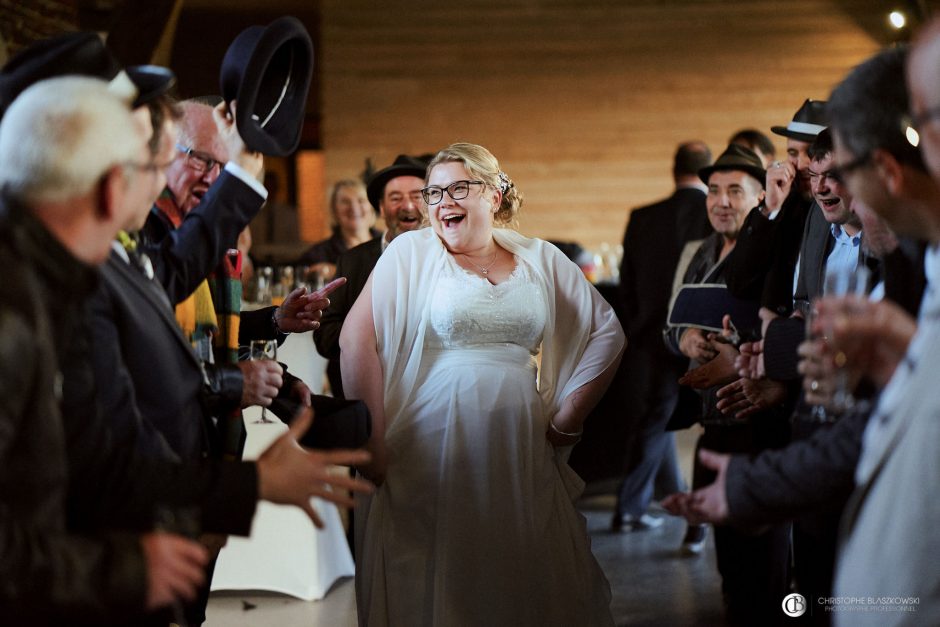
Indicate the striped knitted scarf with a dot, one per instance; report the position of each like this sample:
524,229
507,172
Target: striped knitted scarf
210,316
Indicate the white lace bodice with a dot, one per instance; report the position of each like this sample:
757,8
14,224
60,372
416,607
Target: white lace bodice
467,310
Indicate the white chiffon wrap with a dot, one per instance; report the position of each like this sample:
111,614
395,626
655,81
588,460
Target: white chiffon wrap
582,335
475,523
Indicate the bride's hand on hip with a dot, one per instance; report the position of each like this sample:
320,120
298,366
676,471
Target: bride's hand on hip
559,436
375,470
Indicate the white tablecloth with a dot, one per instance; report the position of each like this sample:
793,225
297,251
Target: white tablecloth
285,552
302,359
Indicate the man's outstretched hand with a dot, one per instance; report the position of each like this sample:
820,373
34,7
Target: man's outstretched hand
291,475
708,504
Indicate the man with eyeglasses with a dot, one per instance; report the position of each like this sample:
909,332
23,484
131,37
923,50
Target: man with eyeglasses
771,236
64,197
833,233
212,193
897,476
884,456
396,192
832,238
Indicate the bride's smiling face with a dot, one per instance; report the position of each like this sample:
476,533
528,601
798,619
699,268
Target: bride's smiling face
465,225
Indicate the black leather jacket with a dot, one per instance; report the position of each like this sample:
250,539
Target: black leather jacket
47,576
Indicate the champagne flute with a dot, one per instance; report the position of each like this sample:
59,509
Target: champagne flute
261,350
844,281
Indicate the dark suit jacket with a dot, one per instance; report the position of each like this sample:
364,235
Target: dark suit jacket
356,265
785,334
183,257
149,376
814,252
765,256
652,244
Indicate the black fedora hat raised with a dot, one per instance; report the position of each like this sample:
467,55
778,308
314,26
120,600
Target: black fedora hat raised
82,53
404,165
807,122
267,70
736,157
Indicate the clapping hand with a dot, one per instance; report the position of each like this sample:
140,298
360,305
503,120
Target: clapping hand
695,345
718,371
745,397
750,363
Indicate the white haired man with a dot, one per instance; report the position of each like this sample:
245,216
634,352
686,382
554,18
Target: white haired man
69,151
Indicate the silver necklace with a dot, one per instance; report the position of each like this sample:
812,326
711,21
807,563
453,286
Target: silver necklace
484,270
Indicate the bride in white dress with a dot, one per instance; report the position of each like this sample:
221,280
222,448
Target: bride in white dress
473,522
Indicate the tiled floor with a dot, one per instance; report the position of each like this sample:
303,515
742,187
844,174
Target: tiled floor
652,585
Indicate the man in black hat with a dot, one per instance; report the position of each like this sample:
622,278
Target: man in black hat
792,176
770,242
212,192
753,567
889,466
119,487
396,192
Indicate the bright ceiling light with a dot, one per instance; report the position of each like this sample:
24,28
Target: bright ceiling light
897,19
913,138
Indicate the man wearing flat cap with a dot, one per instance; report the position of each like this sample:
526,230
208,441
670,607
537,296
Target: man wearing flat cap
753,567
396,192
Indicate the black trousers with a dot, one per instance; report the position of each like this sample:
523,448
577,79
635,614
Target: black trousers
754,567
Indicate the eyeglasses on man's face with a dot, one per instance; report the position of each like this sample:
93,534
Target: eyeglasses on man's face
458,190
839,172
198,161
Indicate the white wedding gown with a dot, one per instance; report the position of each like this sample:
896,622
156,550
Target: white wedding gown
475,524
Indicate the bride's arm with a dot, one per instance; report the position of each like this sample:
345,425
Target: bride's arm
363,377
566,426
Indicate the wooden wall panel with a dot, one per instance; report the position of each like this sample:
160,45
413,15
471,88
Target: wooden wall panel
584,101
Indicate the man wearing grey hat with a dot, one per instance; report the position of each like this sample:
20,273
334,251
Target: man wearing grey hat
753,567
396,192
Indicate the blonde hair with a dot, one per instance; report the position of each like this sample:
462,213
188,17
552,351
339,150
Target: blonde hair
355,184
481,164
60,136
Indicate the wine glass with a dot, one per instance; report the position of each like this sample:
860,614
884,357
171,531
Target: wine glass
260,350
844,281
